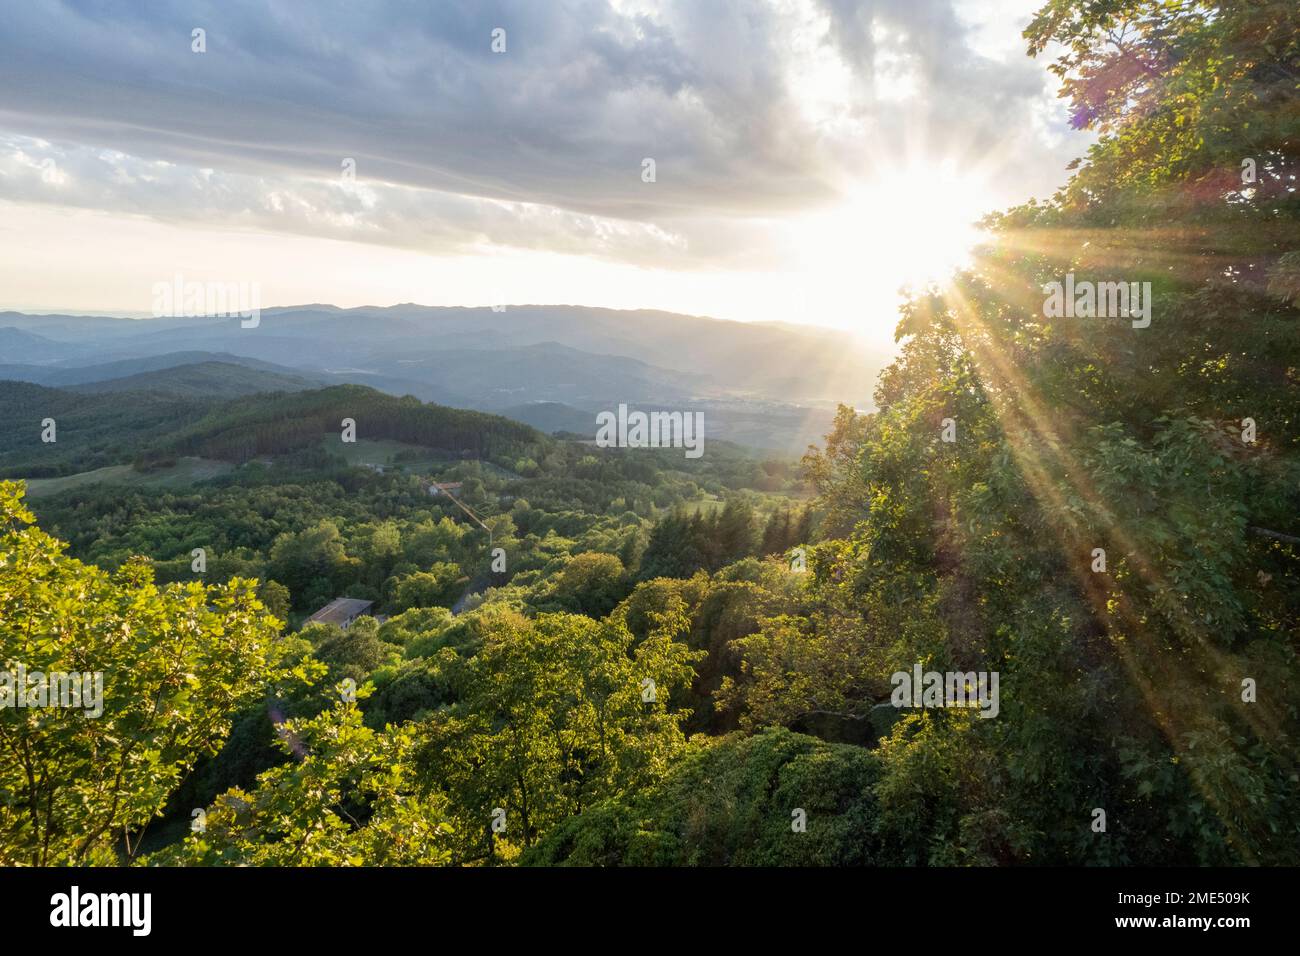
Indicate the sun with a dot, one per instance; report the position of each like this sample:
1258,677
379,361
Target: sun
901,229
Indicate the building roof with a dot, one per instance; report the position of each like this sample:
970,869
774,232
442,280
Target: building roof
340,611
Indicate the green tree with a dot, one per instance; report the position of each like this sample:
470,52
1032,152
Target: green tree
552,715
736,531
275,598
345,797
176,663
440,586
735,802
306,560
355,652
590,584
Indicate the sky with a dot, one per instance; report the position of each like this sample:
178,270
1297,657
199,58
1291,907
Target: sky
809,156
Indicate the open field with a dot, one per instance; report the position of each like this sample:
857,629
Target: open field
384,452
186,471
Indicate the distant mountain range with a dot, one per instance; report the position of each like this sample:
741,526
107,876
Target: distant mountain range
770,386
200,380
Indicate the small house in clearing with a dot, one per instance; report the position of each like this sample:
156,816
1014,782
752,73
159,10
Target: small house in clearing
341,612
439,487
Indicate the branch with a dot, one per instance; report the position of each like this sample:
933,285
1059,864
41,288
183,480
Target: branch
834,713
1275,534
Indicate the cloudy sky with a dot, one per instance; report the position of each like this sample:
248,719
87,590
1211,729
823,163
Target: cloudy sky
808,155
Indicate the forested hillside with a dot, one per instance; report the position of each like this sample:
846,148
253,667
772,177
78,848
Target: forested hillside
273,425
46,432
230,413
203,380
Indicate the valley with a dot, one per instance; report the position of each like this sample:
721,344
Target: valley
542,364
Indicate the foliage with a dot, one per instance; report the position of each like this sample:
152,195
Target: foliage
174,661
550,718
346,797
732,802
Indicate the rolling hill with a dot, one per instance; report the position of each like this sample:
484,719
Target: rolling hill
180,419
243,429
202,380
88,432
21,345
775,361
66,375
761,384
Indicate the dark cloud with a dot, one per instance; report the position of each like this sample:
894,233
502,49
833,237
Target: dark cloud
562,120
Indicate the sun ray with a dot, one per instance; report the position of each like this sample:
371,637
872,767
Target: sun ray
1040,444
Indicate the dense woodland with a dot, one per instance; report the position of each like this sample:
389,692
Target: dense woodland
680,655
